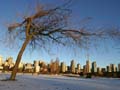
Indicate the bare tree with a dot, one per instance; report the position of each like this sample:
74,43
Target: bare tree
47,26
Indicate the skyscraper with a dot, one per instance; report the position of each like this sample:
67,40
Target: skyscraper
98,70
63,67
36,63
88,68
108,68
9,62
103,70
84,69
94,67
78,68
119,67
113,67
36,66
1,61
72,66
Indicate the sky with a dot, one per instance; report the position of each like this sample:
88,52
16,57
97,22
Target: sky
102,12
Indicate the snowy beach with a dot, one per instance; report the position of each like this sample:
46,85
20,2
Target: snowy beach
47,82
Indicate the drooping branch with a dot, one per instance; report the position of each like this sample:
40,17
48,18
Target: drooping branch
52,24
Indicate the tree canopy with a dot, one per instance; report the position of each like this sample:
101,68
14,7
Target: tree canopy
51,26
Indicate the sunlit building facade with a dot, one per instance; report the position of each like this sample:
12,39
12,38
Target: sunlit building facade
72,66
88,67
94,67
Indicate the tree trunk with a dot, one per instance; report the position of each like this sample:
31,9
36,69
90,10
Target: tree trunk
14,72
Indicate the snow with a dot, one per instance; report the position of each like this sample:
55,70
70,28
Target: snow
54,82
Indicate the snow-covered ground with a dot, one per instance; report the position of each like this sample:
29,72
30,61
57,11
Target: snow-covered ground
47,82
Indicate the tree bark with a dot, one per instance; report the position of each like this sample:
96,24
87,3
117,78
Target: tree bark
14,72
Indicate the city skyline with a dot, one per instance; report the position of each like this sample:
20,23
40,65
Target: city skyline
103,13
56,67
73,64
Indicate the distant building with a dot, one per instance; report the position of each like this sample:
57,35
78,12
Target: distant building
72,66
21,65
108,68
98,70
1,63
1,60
63,67
88,67
84,69
94,67
36,63
42,65
118,67
68,69
78,68
28,67
113,67
9,64
103,70
36,67
6,64
10,60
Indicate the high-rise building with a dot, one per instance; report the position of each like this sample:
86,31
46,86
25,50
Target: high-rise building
78,68
36,67
36,63
72,66
88,68
66,68
84,69
108,68
113,67
103,70
63,67
1,60
9,63
94,67
98,70
118,67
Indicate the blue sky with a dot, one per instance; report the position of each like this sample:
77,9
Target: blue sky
103,13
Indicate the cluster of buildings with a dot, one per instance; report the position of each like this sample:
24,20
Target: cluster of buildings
90,68
60,67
